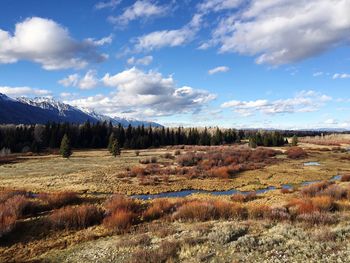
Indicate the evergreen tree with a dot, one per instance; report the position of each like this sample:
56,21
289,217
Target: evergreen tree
110,142
115,148
252,142
65,149
294,140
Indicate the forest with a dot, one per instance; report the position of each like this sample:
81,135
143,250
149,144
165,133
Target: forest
36,138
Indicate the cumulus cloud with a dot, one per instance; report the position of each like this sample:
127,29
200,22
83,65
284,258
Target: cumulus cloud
89,81
341,76
148,94
284,31
169,38
218,70
304,101
218,5
45,42
23,91
107,4
140,9
140,61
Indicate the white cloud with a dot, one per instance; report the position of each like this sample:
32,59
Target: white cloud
45,42
169,38
218,70
218,5
70,81
140,61
341,76
100,42
147,94
331,121
107,4
304,101
317,74
23,91
89,81
284,31
140,9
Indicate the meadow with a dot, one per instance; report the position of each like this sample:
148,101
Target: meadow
81,209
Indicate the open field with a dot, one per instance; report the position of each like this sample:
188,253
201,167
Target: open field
98,172
48,224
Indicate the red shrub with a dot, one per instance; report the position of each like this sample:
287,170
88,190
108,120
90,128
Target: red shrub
238,198
229,210
209,210
119,202
73,217
301,206
335,191
157,209
189,159
296,153
6,194
120,220
256,211
196,210
137,171
7,220
59,199
19,206
221,172
279,214
323,203
243,197
313,189
345,178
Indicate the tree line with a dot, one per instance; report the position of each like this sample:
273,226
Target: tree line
36,138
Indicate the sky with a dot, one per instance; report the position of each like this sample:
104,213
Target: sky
230,63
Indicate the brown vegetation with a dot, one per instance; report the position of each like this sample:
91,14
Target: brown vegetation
296,153
345,178
59,199
75,217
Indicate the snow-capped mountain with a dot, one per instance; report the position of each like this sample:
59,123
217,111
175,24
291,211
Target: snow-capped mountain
116,120
43,109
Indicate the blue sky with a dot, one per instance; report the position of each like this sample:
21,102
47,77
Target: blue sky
229,63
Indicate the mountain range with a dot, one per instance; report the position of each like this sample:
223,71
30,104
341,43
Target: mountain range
41,110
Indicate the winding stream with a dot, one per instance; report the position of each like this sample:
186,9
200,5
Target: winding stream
185,193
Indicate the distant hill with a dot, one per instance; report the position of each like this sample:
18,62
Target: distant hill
42,110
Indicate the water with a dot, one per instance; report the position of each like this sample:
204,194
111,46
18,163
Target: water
185,193
312,164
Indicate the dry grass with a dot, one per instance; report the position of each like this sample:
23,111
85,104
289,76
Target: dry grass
329,140
97,172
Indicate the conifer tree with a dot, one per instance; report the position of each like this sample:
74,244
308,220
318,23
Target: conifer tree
294,140
65,149
252,142
110,142
115,148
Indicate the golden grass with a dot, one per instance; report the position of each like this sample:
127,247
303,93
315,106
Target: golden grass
97,172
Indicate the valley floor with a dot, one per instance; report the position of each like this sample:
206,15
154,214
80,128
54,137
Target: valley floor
295,225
